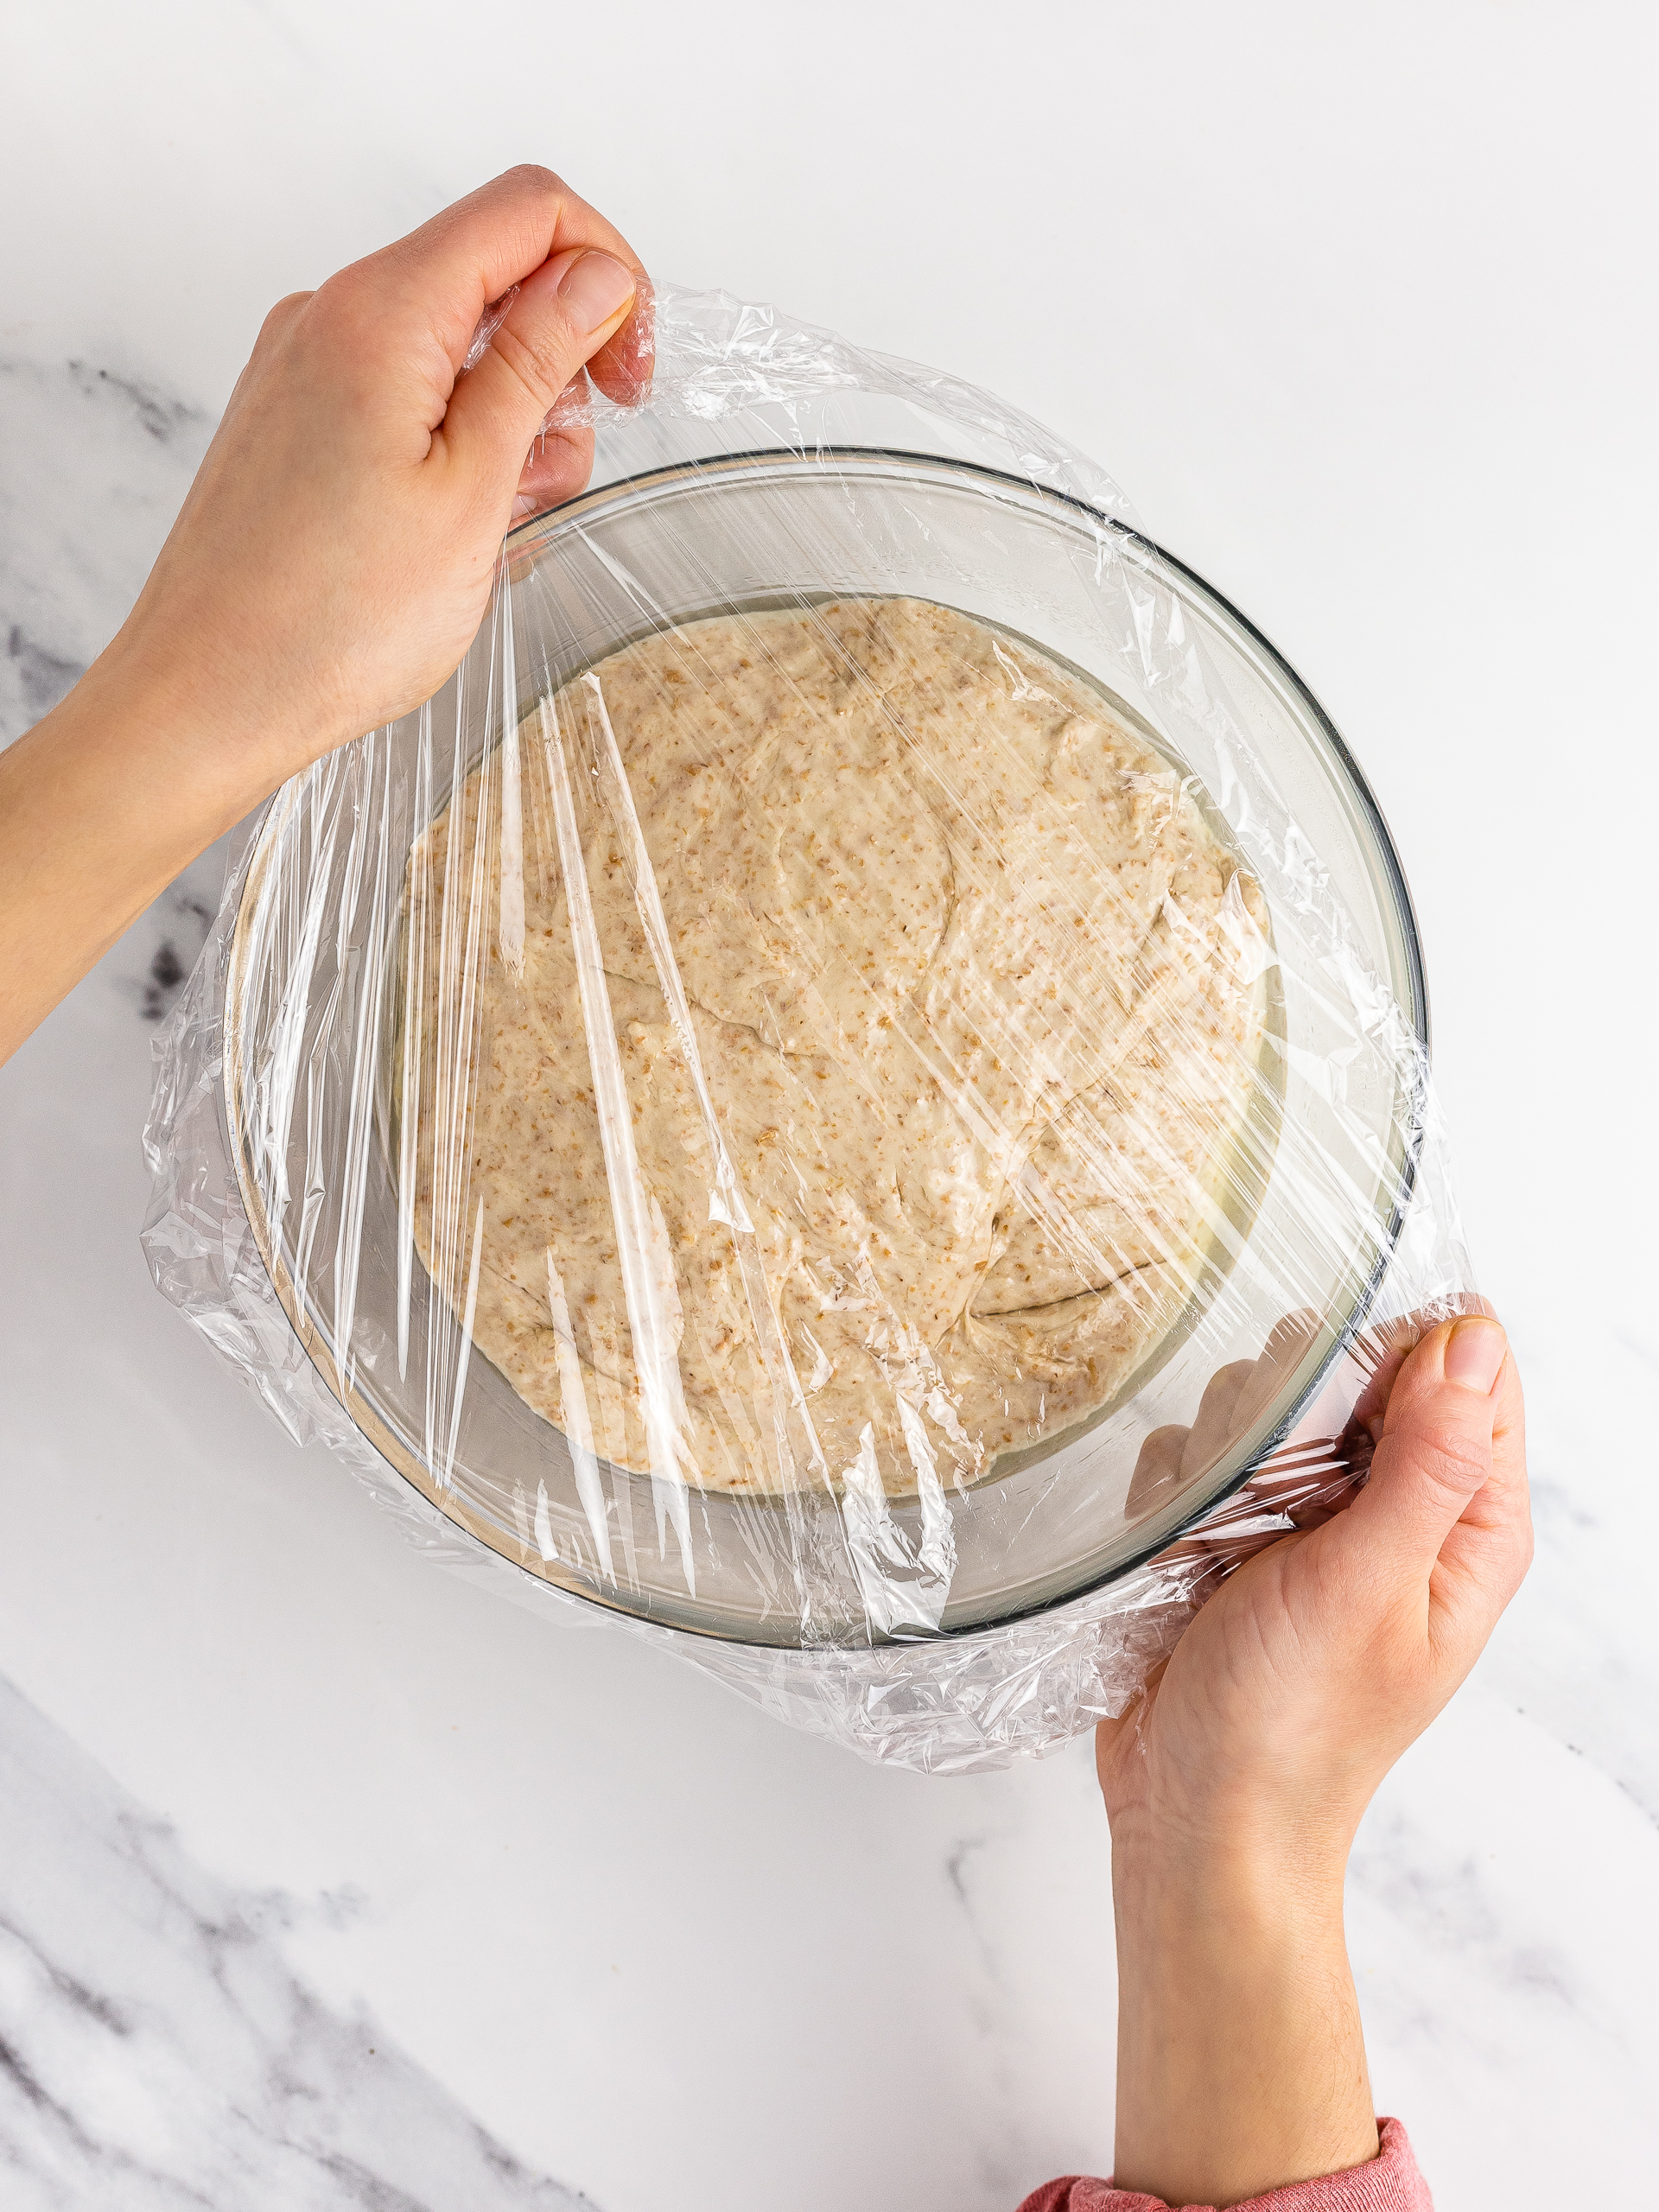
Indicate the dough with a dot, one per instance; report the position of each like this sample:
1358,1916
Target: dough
918,1004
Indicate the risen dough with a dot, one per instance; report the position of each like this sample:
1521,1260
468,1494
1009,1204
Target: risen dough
974,1008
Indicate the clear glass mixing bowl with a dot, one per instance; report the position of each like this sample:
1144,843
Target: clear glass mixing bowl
319,1175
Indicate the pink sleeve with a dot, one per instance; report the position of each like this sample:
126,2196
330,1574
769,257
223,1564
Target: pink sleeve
1390,2183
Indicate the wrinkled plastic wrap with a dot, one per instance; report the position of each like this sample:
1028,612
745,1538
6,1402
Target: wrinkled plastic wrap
852,1092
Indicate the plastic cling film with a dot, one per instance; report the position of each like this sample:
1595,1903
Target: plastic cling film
852,1092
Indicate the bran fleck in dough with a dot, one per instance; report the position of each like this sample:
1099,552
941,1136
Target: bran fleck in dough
975,1004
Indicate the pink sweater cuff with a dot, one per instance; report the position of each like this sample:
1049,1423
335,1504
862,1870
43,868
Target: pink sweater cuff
1390,2183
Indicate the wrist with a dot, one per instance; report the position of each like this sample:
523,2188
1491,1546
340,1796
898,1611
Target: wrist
101,804
225,738
1238,1919
1241,1847
1241,2064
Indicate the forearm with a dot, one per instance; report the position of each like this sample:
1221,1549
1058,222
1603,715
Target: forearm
101,804
1241,2062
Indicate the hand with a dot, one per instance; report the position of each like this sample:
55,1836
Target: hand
332,561
1235,1788
334,556
1313,1666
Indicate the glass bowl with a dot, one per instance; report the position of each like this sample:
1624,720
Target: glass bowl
312,1030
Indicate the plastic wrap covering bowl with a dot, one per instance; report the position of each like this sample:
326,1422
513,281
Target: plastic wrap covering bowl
319,1068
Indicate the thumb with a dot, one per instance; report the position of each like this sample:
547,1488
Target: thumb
565,312
1435,1451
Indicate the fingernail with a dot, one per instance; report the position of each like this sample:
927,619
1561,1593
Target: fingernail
1474,1352
594,289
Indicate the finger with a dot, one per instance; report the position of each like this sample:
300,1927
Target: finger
1382,1350
561,461
450,268
559,466
1213,1427
1233,1397
561,458
1298,1490
622,367
1157,1471
1492,1537
1287,1346
1436,1451
563,316
1314,1509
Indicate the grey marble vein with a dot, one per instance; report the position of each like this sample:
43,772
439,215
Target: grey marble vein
157,2052
95,462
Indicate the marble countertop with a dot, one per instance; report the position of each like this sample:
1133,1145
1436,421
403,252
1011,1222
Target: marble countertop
328,1881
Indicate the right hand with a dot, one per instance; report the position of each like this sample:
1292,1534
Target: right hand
1313,1666
1235,1786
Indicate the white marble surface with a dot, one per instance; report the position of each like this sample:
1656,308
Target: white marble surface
326,1880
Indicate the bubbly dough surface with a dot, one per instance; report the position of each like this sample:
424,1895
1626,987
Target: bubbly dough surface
906,996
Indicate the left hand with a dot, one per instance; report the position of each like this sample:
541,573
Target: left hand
334,556
331,565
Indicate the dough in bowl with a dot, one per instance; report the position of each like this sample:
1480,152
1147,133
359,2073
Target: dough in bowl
832,1032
